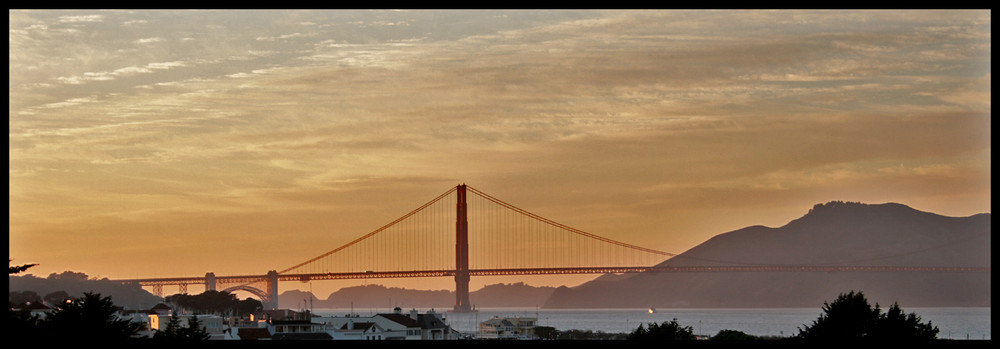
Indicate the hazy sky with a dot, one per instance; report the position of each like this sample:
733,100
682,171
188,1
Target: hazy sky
173,143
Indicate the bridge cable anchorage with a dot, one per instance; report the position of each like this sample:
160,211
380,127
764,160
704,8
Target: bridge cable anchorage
565,227
379,230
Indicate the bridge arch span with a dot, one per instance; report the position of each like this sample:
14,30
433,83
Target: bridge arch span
264,296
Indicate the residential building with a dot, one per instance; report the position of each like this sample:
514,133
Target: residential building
34,308
508,328
213,324
389,326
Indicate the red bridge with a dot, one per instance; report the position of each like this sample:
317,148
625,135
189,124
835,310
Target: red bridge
502,239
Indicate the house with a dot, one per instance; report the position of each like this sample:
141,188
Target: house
508,328
282,314
398,326
431,325
295,326
34,309
297,330
389,326
359,331
161,309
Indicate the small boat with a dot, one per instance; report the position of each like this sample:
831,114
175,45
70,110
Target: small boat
652,310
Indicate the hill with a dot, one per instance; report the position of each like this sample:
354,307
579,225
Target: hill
835,233
378,296
75,284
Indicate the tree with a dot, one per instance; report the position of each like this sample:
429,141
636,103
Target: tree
851,317
57,297
91,317
170,331
546,332
24,324
733,335
248,306
848,317
174,332
896,325
194,330
17,269
68,275
669,330
215,302
19,297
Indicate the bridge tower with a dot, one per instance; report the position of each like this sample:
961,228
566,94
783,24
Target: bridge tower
272,290
462,253
210,281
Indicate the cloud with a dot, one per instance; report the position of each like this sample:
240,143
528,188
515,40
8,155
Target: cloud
81,19
120,72
145,41
283,37
607,113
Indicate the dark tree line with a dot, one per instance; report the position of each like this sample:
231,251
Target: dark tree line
851,317
88,318
668,330
91,318
21,297
216,302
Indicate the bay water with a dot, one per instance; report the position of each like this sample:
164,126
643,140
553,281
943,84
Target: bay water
953,323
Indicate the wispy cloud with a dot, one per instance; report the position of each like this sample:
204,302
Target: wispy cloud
120,72
81,19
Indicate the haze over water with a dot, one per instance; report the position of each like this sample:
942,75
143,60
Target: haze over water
953,323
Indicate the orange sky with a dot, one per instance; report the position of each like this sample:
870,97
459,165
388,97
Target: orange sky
173,143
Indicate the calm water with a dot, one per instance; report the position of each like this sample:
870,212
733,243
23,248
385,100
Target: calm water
953,323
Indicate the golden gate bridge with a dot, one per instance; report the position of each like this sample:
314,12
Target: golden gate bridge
490,238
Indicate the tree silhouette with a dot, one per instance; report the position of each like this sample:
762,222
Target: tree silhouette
24,324
733,335
57,297
669,330
194,330
17,268
90,318
546,332
851,317
174,332
170,331
896,325
215,302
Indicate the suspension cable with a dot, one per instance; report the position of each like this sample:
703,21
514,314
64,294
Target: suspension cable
568,228
379,230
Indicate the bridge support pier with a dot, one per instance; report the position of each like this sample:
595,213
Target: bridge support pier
462,254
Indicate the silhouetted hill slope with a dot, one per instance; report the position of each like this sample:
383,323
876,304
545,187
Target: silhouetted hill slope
836,233
75,284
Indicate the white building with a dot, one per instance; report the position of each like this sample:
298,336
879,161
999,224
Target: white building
508,328
213,324
297,329
393,326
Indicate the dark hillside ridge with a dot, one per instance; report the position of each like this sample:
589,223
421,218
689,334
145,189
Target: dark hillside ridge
832,234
